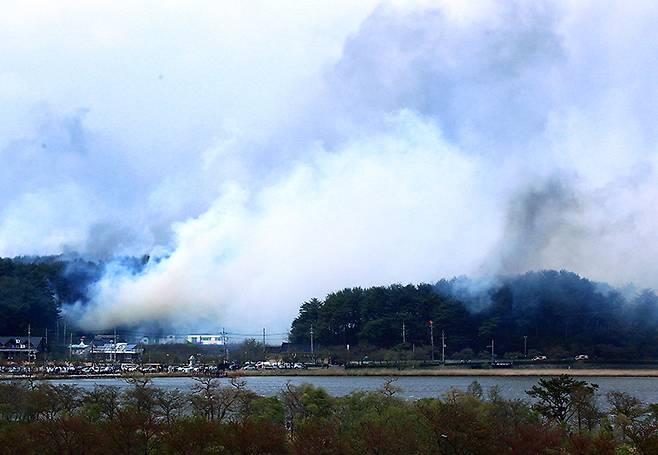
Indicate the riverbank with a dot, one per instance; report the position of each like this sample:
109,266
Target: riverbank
531,372
364,372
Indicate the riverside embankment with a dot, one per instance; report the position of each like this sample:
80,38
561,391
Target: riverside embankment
381,372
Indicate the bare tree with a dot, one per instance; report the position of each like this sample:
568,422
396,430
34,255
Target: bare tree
213,401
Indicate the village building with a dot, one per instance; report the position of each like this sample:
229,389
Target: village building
206,339
202,339
161,339
81,349
119,352
21,347
106,349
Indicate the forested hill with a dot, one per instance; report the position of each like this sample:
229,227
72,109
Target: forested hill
32,290
561,314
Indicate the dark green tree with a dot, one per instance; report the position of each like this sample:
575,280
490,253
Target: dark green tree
561,398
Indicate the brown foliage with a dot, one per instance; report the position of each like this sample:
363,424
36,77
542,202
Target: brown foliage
44,419
534,439
254,438
319,436
586,444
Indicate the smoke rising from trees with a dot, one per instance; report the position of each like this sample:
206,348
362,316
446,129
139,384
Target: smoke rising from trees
268,155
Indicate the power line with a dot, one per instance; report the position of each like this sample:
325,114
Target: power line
254,334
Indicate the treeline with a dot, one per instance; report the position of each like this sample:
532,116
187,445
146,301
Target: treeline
27,295
560,313
33,288
564,417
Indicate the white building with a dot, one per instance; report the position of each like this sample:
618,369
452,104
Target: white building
161,339
120,352
205,339
81,349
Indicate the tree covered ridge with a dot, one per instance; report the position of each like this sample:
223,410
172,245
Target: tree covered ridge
560,313
32,290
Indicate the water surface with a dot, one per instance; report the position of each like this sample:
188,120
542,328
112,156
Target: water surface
413,387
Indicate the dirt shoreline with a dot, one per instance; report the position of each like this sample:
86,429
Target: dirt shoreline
537,372
360,372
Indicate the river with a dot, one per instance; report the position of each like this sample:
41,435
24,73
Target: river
413,387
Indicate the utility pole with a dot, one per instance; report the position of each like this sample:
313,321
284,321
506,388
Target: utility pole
29,344
114,353
443,347
312,351
264,353
70,346
525,346
492,351
225,348
45,352
432,338
404,334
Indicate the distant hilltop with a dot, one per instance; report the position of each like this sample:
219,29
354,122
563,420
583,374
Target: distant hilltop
542,313
554,313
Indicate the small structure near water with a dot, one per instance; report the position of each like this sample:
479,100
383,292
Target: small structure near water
21,347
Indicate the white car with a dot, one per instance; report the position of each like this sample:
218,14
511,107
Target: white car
582,357
539,358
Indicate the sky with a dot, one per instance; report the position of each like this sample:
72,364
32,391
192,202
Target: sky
264,153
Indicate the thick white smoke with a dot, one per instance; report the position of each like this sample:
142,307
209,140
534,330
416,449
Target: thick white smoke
381,209
269,155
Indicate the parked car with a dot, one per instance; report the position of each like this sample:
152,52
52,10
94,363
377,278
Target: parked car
539,358
582,357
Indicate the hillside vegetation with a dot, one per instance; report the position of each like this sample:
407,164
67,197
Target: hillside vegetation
32,291
559,312
563,416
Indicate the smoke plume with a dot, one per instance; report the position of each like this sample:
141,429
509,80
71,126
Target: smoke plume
265,155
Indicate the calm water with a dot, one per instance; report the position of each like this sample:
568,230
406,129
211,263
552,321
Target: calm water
645,389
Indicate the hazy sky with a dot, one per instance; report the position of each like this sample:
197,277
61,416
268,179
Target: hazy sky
276,151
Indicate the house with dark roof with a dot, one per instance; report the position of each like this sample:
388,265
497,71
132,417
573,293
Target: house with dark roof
119,352
107,349
20,348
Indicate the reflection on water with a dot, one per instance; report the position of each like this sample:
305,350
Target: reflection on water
646,389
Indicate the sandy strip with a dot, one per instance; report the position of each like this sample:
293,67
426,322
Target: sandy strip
520,372
536,372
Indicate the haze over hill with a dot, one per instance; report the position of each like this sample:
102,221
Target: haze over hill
559,314
261,158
